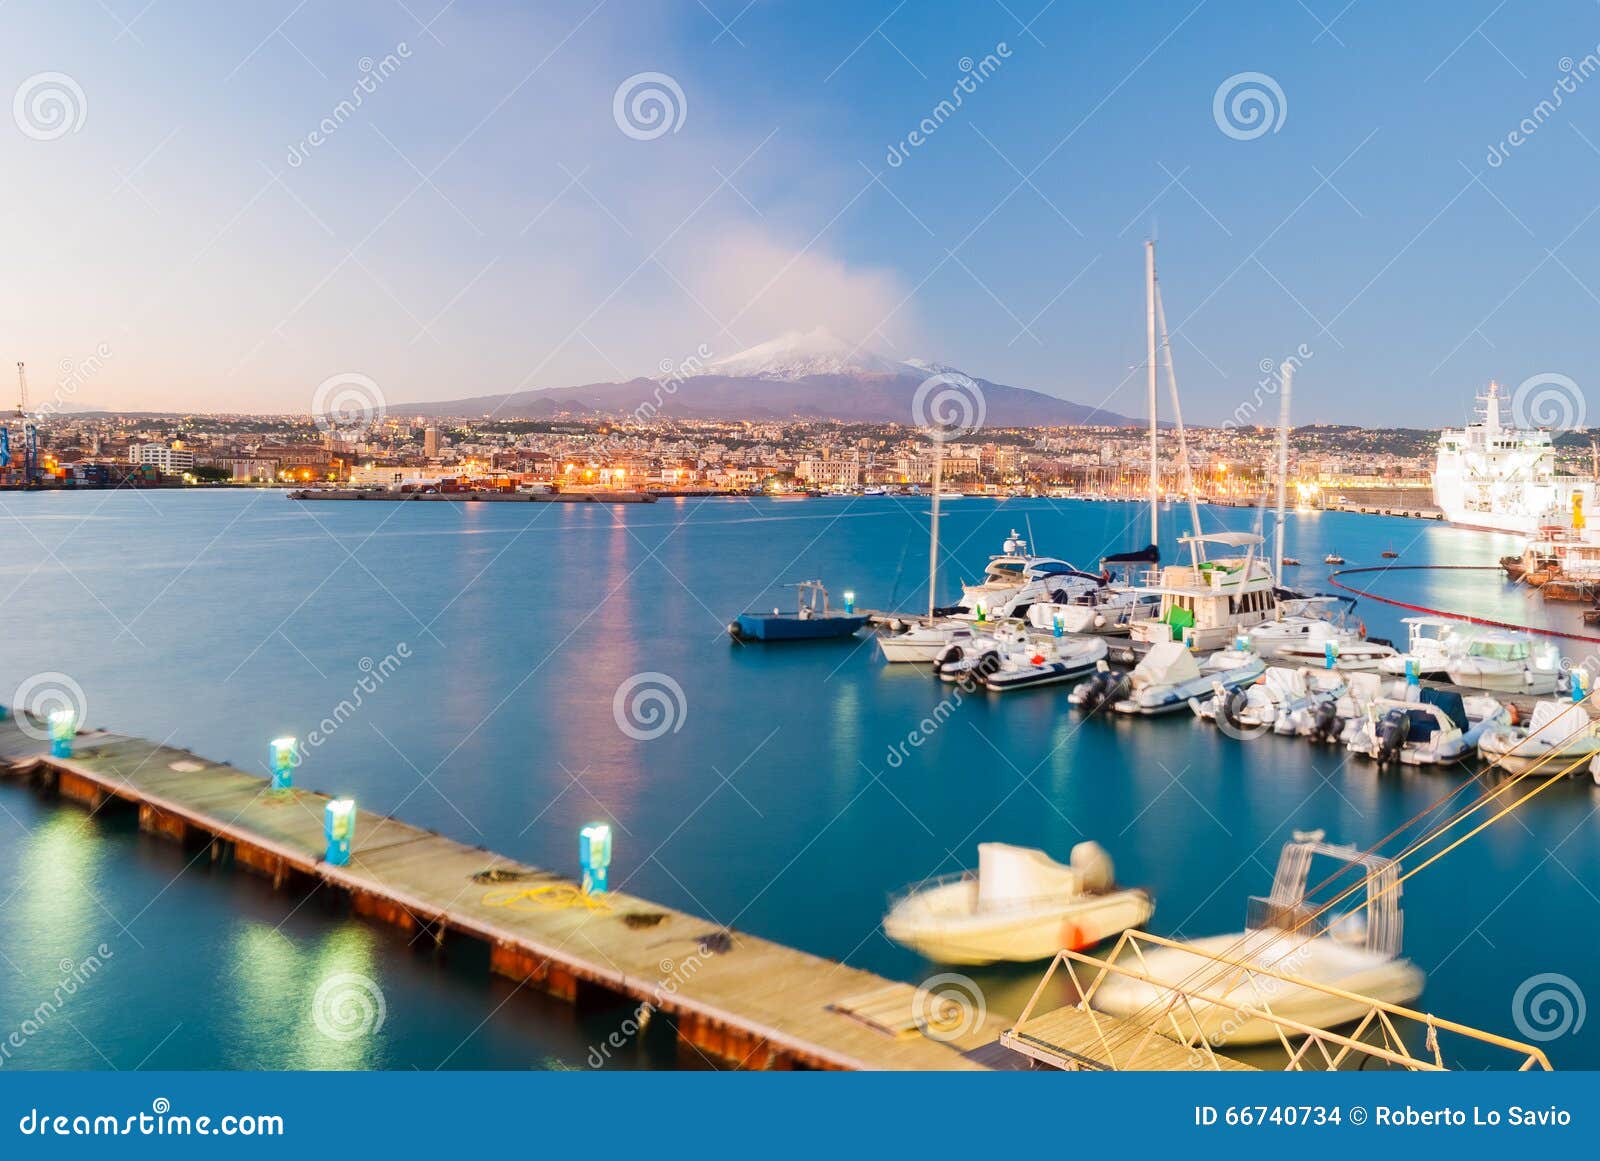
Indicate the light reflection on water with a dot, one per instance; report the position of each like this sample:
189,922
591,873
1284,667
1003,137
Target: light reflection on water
535,615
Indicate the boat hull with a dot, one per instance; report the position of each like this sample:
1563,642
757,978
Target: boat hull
766,627
1023,936
1228,1015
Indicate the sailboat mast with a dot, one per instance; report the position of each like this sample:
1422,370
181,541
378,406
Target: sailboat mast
933,540
1150,361
1197,552
1283,467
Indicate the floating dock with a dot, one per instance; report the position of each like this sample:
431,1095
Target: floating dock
747,1001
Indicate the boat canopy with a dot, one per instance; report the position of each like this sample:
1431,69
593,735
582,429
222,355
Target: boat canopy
1557,722
1167,663
1233,539
1150,554
1450,704
1285,684
1008,875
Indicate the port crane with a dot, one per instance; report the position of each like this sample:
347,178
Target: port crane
30,434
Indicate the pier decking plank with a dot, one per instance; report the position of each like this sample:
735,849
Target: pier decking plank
743,995
1071,1037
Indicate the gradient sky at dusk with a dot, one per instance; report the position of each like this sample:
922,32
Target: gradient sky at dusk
482,224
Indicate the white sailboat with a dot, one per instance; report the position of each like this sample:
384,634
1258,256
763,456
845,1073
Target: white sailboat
926,640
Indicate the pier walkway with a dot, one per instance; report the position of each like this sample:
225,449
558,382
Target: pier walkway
743,999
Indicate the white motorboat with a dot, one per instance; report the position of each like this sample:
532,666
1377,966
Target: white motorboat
1317,632
1345,654
1501,659
1430,641
923,641
1021,905
1015,580
1284,700
1109,612
1432,729
1166,678
1208,985
1045,661
1559,734
978,651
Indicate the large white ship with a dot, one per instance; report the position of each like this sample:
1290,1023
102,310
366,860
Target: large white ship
1504,479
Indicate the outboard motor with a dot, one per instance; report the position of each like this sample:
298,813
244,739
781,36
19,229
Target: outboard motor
1233,706
1099,690
1326,724
948,661
1391,734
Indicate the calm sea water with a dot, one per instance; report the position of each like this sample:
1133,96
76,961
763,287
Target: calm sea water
218,620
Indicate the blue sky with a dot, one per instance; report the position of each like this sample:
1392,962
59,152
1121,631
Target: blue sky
482,223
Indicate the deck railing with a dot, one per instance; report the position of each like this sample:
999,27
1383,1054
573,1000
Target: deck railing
1243,991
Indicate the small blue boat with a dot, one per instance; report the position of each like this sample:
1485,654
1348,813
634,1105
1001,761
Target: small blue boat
813,619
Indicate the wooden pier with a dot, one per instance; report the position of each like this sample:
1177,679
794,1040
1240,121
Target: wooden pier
747,1001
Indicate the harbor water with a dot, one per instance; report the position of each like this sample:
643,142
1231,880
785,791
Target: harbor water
507,673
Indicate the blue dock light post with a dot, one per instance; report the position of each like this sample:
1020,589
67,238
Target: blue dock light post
281,757
1413,672
594,856
339,825
1330,654
1056,628
63,728
849,601
1579,684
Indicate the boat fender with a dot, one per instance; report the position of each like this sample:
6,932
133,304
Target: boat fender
734,631
1072,937
1514,715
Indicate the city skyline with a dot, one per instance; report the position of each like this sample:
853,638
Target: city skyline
220,214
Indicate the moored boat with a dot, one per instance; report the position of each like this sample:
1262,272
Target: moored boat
814,619
1351,948
1020,905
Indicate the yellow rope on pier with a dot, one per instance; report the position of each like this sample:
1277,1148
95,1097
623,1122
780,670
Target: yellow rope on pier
546,897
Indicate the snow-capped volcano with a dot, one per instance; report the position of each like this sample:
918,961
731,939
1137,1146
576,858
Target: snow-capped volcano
800,375
802,354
